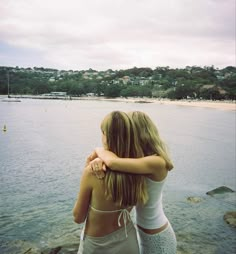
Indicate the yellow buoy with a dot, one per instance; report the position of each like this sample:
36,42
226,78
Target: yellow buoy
4,128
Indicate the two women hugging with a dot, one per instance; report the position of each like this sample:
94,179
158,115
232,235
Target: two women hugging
129,171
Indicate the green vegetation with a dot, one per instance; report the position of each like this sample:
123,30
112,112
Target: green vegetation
162,82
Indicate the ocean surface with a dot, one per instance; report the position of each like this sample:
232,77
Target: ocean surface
43,152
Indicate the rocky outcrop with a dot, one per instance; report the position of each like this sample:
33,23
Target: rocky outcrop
194,199
18,246
219,190
63,249
55,250
230,218
25,247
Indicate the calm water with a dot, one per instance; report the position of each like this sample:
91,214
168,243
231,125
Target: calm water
44,149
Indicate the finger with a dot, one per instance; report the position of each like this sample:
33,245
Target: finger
93,165
104,168
96,167
99,174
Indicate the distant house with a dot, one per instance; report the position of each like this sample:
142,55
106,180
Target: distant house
52,79
55,94
143,81
125,79
208,86
58,94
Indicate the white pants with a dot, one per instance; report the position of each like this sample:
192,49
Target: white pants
160,243
113,243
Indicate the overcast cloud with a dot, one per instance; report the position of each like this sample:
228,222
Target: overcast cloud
120,34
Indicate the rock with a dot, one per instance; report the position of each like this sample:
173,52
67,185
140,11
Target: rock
219,190
18,246
230,218
55,251
190,243
194,199
65,249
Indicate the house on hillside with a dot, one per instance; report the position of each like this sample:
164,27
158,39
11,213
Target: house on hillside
59,94
125,79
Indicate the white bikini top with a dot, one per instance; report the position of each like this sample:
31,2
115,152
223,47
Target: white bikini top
124,213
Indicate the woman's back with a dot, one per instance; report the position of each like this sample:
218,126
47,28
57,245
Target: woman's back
105,203
104,215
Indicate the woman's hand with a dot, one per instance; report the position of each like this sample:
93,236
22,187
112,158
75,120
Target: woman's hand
98,168
90,158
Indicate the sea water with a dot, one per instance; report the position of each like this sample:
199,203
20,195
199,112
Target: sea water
43,152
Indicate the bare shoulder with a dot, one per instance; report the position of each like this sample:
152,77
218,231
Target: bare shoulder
91,178
87,173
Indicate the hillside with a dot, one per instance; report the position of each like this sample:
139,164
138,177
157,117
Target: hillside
162,82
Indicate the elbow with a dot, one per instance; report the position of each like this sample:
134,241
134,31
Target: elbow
79,219
170,166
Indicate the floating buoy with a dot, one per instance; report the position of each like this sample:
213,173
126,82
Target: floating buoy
4,128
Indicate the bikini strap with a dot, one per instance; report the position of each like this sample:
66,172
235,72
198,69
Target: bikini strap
124,213
101,211
126,217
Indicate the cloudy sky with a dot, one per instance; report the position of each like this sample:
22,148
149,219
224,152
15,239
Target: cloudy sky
117,34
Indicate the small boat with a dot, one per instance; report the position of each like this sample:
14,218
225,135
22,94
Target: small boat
9,98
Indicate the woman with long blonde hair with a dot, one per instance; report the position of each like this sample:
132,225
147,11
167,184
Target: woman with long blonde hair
105,204
155,231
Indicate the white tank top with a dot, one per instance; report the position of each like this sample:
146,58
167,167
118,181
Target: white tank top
151,215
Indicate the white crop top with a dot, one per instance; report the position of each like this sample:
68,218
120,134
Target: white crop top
151,215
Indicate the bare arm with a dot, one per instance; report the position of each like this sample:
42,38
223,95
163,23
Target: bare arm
81,206
152,165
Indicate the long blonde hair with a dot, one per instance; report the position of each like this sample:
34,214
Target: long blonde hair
149,138
126,189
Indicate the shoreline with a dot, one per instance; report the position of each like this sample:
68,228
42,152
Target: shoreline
221,105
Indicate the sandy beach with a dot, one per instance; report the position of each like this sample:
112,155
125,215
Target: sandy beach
204,104
222,105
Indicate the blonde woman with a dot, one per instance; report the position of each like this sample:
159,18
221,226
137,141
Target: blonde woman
155,231
105,204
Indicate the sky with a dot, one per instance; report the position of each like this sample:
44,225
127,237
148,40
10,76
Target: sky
117,34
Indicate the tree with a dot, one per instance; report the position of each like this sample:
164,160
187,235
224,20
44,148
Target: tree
112,91
130,91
